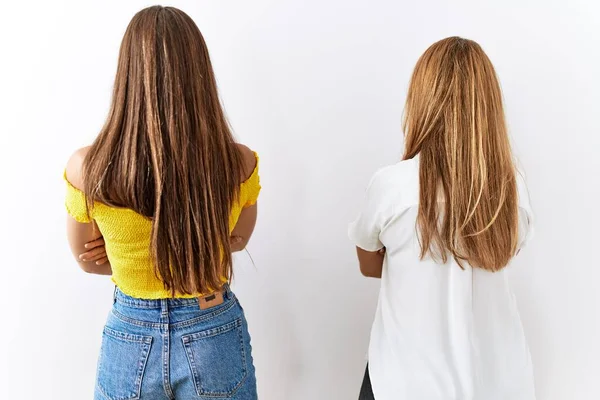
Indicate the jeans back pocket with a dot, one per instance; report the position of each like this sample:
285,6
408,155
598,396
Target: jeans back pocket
122,363
217,359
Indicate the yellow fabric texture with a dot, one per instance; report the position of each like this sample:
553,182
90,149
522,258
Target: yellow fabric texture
127,238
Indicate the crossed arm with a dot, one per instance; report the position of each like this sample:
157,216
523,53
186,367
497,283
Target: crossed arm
370,262
87,244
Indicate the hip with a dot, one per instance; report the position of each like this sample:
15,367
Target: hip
176,346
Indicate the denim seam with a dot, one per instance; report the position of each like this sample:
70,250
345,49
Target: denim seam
142,303
128,337
146,346
178,325
131,321
184,324
166,365
213,331
166,350
192,363
189,339
135,304
142,369
243,348
240,384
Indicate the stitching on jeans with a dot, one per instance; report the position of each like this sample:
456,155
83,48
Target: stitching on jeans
146,347
192,363
166,360
243,347
179,302
245,367
184,324
141,303
213,331
128,337
142,369
187,341
165,334
175,326
128,320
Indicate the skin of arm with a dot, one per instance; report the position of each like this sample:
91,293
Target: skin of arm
245,225
371,262
243,228
78,234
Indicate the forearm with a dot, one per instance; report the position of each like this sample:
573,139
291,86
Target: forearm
371,273
371,263
91,267
244,228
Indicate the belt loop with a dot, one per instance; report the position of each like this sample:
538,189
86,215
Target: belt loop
115,295
164,307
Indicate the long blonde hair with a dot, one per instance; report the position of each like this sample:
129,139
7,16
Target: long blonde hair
454,120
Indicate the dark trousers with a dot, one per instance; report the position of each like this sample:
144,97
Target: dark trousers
366,392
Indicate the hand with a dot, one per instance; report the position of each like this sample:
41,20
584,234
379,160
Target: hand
96,252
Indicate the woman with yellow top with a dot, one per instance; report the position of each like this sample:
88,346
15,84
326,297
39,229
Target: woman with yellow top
156,198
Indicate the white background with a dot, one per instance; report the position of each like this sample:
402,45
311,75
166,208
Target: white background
317,88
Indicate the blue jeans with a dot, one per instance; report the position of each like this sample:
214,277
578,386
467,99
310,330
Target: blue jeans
171,349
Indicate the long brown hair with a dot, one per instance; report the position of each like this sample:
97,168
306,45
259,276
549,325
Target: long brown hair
454,120
166,150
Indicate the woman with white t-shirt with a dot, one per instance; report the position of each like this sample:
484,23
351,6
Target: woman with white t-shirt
439,228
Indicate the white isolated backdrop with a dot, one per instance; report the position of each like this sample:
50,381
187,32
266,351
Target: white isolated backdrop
317,88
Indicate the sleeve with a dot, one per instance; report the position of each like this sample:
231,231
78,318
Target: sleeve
365,230
526,217
251,187
75,203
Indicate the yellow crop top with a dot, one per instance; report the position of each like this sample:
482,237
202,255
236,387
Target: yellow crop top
127,238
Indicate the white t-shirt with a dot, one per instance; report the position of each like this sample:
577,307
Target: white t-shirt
440,332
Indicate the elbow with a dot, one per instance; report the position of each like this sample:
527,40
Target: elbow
90,267
240,244
369,272
364,271
86,267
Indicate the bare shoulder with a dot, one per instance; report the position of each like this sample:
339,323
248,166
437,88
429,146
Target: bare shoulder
249,160
74,168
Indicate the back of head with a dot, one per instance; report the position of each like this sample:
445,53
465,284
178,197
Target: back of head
454,120
166,150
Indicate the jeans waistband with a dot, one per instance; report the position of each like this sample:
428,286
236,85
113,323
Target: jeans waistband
129,301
